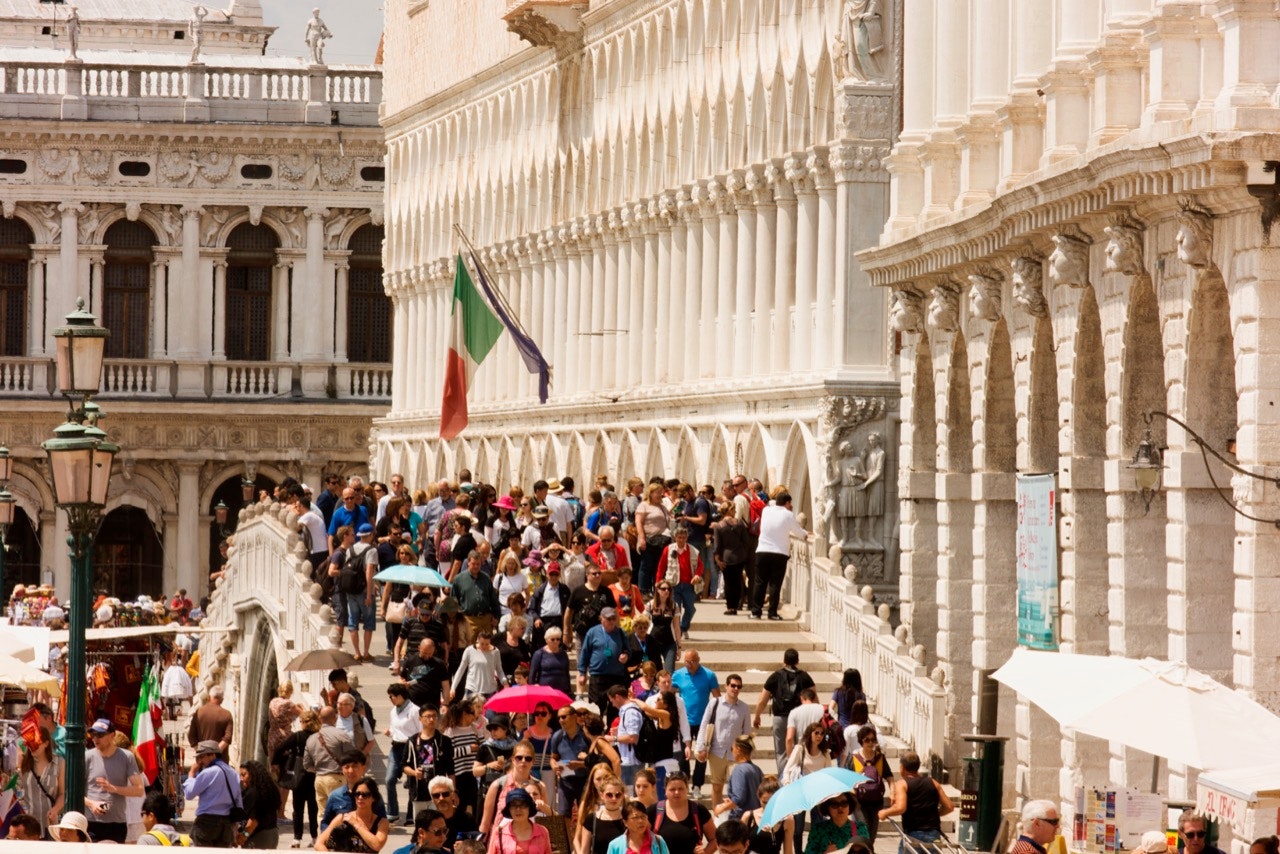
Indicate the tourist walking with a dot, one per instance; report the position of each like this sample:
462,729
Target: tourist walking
215,786
777,525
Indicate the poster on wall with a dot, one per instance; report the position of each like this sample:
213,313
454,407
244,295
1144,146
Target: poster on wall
1037,555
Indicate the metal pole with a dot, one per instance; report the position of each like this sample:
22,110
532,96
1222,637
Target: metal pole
83,524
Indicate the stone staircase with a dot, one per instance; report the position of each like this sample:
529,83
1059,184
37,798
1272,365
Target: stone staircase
753,649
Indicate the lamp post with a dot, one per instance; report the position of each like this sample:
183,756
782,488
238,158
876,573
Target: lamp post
6,511
80,459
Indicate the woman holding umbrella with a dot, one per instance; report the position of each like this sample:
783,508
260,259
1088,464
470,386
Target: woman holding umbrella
807,757
839,829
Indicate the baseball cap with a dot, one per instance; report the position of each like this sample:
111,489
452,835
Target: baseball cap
102,726
364,530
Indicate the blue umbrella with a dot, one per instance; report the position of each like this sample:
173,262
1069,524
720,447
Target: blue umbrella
421,576
807,792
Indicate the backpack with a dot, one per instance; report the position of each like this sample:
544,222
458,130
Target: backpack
575,505
183,839
873,789
649,747
757,507
787,698
832,735
351,575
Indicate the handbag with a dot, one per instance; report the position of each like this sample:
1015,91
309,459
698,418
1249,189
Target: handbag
794,768
237,813
291,773
395,613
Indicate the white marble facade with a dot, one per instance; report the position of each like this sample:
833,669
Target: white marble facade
669,194
1081,233
221,214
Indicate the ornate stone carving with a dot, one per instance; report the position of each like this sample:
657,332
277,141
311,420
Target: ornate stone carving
174,165
196,29
294,223
861,54
1028,287
1124,248
337,170
906,310
1195,236
317,33
376,214
985,292
294,167
215,166
132,210
255,214
96,164
53,162
944,308
854,504
48,214
1069,261
794,170
89,222
337,224
212,223
170,223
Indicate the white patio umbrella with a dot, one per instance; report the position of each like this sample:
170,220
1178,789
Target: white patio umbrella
16,647
1164,708
23,675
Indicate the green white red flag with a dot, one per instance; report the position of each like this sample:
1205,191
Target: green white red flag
474,332
145,739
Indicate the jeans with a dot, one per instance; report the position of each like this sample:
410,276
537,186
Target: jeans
684,595
339,603
395,767
920,840
698,773
629,777
360,614
779,732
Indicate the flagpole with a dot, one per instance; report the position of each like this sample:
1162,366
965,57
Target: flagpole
475,259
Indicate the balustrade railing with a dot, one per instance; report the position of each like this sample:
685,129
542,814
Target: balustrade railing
861,636
363,381
25,376
140,377
252,379
36,90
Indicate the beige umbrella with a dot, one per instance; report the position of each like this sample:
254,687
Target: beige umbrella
26,676
15,647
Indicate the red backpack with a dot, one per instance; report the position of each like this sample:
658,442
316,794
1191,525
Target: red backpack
757,507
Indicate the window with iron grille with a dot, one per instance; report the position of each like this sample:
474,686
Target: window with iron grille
250,259
126,293
15,259
368,307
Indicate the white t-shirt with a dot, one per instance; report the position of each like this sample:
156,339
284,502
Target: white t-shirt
561,513
777,524
314,523
802,716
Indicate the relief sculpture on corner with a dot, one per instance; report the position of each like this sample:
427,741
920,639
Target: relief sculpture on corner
861,53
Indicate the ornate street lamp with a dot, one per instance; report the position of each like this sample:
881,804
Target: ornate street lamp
1147,466
80,459
6,511
247,489
220,516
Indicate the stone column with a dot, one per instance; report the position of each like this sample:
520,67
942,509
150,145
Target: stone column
760,345
665,342
524,305
97,268
648,321
159,316
710,270
55,557
571,308
169,539
1173,79
36,319
634,221
188,558
220,307
604,310
824,317
541,296
691,218
617,354
726,197
280,309
1250,30
588,295
806,262
678,287
560,314
400,345
188,331
62,298
416,317
342,280
784,271
311,346
744,266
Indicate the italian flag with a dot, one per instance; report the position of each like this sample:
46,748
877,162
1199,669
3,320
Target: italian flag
475,330
145,740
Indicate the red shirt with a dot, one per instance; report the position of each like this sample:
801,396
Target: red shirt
684,558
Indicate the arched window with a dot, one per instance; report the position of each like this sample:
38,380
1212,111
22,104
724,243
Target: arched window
128,557
15,260
250,259
126,292
368,307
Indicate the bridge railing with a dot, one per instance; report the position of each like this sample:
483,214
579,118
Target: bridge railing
860,634
267,582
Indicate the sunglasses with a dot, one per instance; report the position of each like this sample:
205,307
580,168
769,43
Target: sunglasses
1190,834
612,795
440,796
521,758
363,794
735,685
1055,821
542,714
838,805
437,831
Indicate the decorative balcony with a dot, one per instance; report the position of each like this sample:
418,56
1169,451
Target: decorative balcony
102,91
158,379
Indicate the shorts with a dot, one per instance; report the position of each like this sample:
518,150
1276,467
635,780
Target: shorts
359,614
718,769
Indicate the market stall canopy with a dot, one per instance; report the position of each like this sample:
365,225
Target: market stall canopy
18,646
37,638
23,675
1164,708
1249,784
121,632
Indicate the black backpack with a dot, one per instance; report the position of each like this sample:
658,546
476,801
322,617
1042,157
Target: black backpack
654,744
787,697
351,574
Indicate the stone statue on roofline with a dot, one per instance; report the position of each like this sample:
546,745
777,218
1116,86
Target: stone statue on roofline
317,34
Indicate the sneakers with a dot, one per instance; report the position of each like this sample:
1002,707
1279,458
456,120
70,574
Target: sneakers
297,843
696,793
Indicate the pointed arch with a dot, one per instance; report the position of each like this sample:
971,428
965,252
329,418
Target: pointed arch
574,455
824,107
757,130
687,462
627,457
797,474
759,459
799,114
552,457
720,455
657,455
601,452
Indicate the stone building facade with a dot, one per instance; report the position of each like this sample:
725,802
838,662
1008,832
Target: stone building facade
669,194
221,213
1081,235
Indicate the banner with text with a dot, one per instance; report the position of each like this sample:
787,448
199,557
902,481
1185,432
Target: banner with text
1037,562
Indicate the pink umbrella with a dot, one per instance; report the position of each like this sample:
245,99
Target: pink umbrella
525,698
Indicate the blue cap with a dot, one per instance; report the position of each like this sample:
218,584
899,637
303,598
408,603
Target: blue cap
101,726
365,530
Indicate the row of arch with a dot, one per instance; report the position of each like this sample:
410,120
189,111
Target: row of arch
784,453
645,108
129,277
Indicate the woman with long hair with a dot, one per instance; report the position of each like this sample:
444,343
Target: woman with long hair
664,634
261,805
509,580
288,755
501,522
43,782
653,522
599,744
806,757
459,726
602,821
778,839
519,775
849,692
539,733
362,829
638,837
730,548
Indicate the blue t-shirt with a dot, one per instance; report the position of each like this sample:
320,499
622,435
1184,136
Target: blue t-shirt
342,516
695,690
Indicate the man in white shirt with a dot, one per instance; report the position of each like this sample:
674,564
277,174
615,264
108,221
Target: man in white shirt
354,724
777,525
314,532
395,490
561,512
808,712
